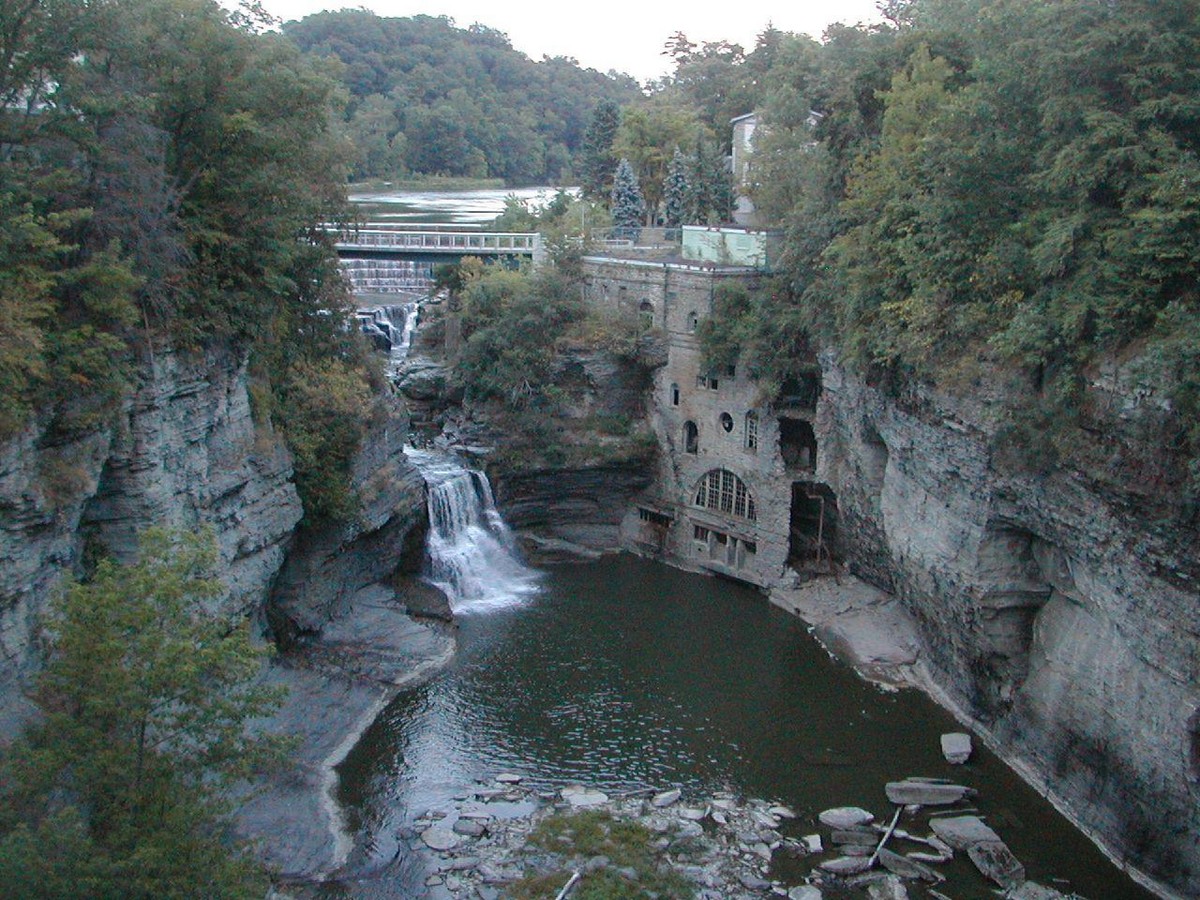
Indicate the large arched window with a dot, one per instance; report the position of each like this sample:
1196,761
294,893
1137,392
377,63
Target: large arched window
722,491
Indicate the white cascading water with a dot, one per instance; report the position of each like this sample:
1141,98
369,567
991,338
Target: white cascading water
472,553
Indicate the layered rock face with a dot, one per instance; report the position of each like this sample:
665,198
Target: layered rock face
1060,611
184,451
331,563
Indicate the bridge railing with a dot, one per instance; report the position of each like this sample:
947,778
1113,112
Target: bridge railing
438,241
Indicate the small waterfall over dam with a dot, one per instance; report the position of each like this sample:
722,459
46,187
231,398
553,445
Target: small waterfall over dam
471,552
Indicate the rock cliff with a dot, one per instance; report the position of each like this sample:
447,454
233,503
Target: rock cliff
1058,610
183,451
330,563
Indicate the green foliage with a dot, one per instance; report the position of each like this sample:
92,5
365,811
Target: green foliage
510,321
116,792
986,182
427,97
763,330
325,406
647,139
677,192
594,833
626,204
597,161
163,184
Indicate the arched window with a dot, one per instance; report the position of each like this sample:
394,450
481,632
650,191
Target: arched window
674,394
691,438
693,320
751,431
646,315
722,491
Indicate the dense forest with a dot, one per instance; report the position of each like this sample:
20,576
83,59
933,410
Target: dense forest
428,98
1004,190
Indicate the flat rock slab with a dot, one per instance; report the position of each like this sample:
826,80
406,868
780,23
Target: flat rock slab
439,838
956,747
782,812
888,889
583,797
846,865
907,868
666,798
845,817
961,832
997,864
804,892
691,814
508,778
859,624
924,793
468,828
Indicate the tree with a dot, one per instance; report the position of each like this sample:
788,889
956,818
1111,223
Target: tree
146,697
597,162
677,192
627,204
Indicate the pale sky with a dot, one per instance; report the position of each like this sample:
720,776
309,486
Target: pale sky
626,35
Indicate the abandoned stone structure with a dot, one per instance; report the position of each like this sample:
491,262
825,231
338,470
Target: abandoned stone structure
735,491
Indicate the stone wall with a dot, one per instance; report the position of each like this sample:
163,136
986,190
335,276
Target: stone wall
1059,611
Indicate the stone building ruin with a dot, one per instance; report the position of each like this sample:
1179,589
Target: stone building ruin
735,491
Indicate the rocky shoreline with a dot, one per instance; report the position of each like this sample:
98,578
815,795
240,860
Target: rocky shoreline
507,839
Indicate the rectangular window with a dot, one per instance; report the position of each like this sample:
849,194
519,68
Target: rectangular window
731,371
751,431
700,533
751,547
674,395
701,381
713,383
654,518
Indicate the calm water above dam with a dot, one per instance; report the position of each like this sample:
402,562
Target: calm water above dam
624,673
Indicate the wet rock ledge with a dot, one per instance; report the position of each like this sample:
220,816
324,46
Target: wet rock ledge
508,840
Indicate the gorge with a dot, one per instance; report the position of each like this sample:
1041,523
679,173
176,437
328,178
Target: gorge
520,540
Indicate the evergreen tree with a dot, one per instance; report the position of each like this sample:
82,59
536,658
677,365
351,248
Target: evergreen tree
145,699
598,161
677,192
711,185
628,206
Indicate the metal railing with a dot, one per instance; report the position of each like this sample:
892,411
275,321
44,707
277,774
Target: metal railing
438,241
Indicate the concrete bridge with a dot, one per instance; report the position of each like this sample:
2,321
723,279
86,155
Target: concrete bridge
432,242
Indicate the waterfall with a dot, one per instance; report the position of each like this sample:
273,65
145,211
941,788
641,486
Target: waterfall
379,324
471,552
387,276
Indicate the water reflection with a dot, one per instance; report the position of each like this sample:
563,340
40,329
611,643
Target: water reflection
457,207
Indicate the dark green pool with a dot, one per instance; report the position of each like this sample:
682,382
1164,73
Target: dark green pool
624,673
